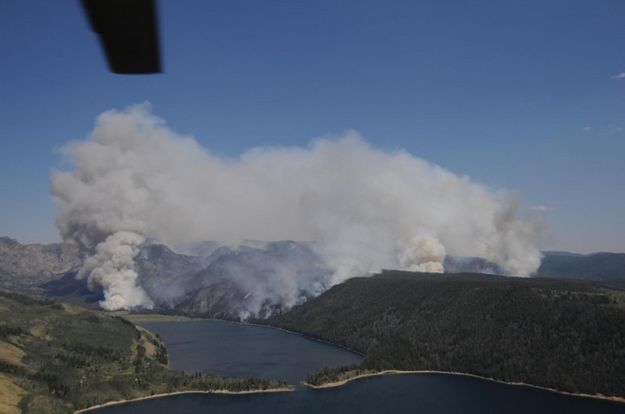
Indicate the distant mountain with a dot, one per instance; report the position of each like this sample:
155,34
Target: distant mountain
163,273
204,249
24,266
464,264
72,290
225,282
604,267
214,280
560,253
240,281
561,334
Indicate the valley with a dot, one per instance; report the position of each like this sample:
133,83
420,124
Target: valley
561,334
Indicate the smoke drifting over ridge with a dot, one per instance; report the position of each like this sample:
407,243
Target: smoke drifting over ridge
135,179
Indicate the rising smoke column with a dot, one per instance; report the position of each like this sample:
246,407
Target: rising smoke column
367,209
112,267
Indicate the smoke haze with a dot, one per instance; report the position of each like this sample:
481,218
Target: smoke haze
366,209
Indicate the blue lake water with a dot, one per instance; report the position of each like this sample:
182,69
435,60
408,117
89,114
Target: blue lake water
235,349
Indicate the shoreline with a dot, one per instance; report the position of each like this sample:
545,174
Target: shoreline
336,384
173,393
397,372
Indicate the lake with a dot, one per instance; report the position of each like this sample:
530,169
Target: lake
239,349
235,349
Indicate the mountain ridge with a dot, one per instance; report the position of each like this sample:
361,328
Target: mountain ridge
214,280
560,334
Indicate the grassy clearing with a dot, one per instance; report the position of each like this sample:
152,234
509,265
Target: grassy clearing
10,396
11,354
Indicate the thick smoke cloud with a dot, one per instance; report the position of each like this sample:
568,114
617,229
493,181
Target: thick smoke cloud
367,209
112,267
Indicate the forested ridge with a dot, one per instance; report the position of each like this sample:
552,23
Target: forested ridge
56,358
563,334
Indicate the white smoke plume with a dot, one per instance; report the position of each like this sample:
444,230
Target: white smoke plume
112,267
367,209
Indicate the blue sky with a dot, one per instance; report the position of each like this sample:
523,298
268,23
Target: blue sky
522,95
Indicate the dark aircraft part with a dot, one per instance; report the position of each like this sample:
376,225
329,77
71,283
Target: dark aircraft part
128,33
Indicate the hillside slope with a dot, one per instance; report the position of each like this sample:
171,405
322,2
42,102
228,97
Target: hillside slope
24,266
56,358
561,334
